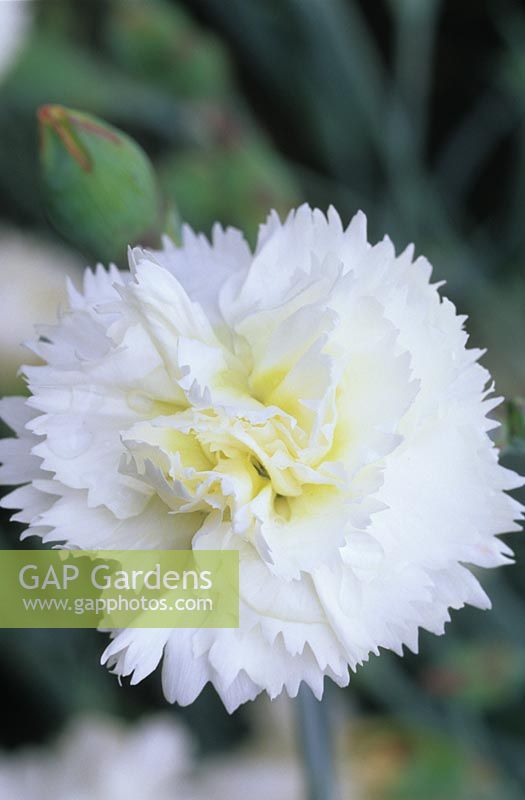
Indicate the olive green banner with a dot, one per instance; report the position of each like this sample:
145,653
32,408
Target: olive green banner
119,589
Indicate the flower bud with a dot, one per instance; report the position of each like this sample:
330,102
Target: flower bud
235,182
159,41
99,187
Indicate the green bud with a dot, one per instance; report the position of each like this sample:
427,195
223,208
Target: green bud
235,183
158,41
99,187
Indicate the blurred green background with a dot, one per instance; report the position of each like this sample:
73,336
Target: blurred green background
414,111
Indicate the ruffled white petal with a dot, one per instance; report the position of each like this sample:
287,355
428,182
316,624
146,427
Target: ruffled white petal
312,405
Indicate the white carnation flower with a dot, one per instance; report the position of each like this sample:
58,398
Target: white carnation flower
312,405
98,758
32,286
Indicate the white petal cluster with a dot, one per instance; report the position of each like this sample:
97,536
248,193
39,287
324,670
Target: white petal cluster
32,287
312,405
98,758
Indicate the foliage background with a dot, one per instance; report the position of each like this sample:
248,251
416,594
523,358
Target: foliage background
413,110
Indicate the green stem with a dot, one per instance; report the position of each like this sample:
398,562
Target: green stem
316,745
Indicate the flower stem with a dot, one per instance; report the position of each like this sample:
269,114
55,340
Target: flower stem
316,745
